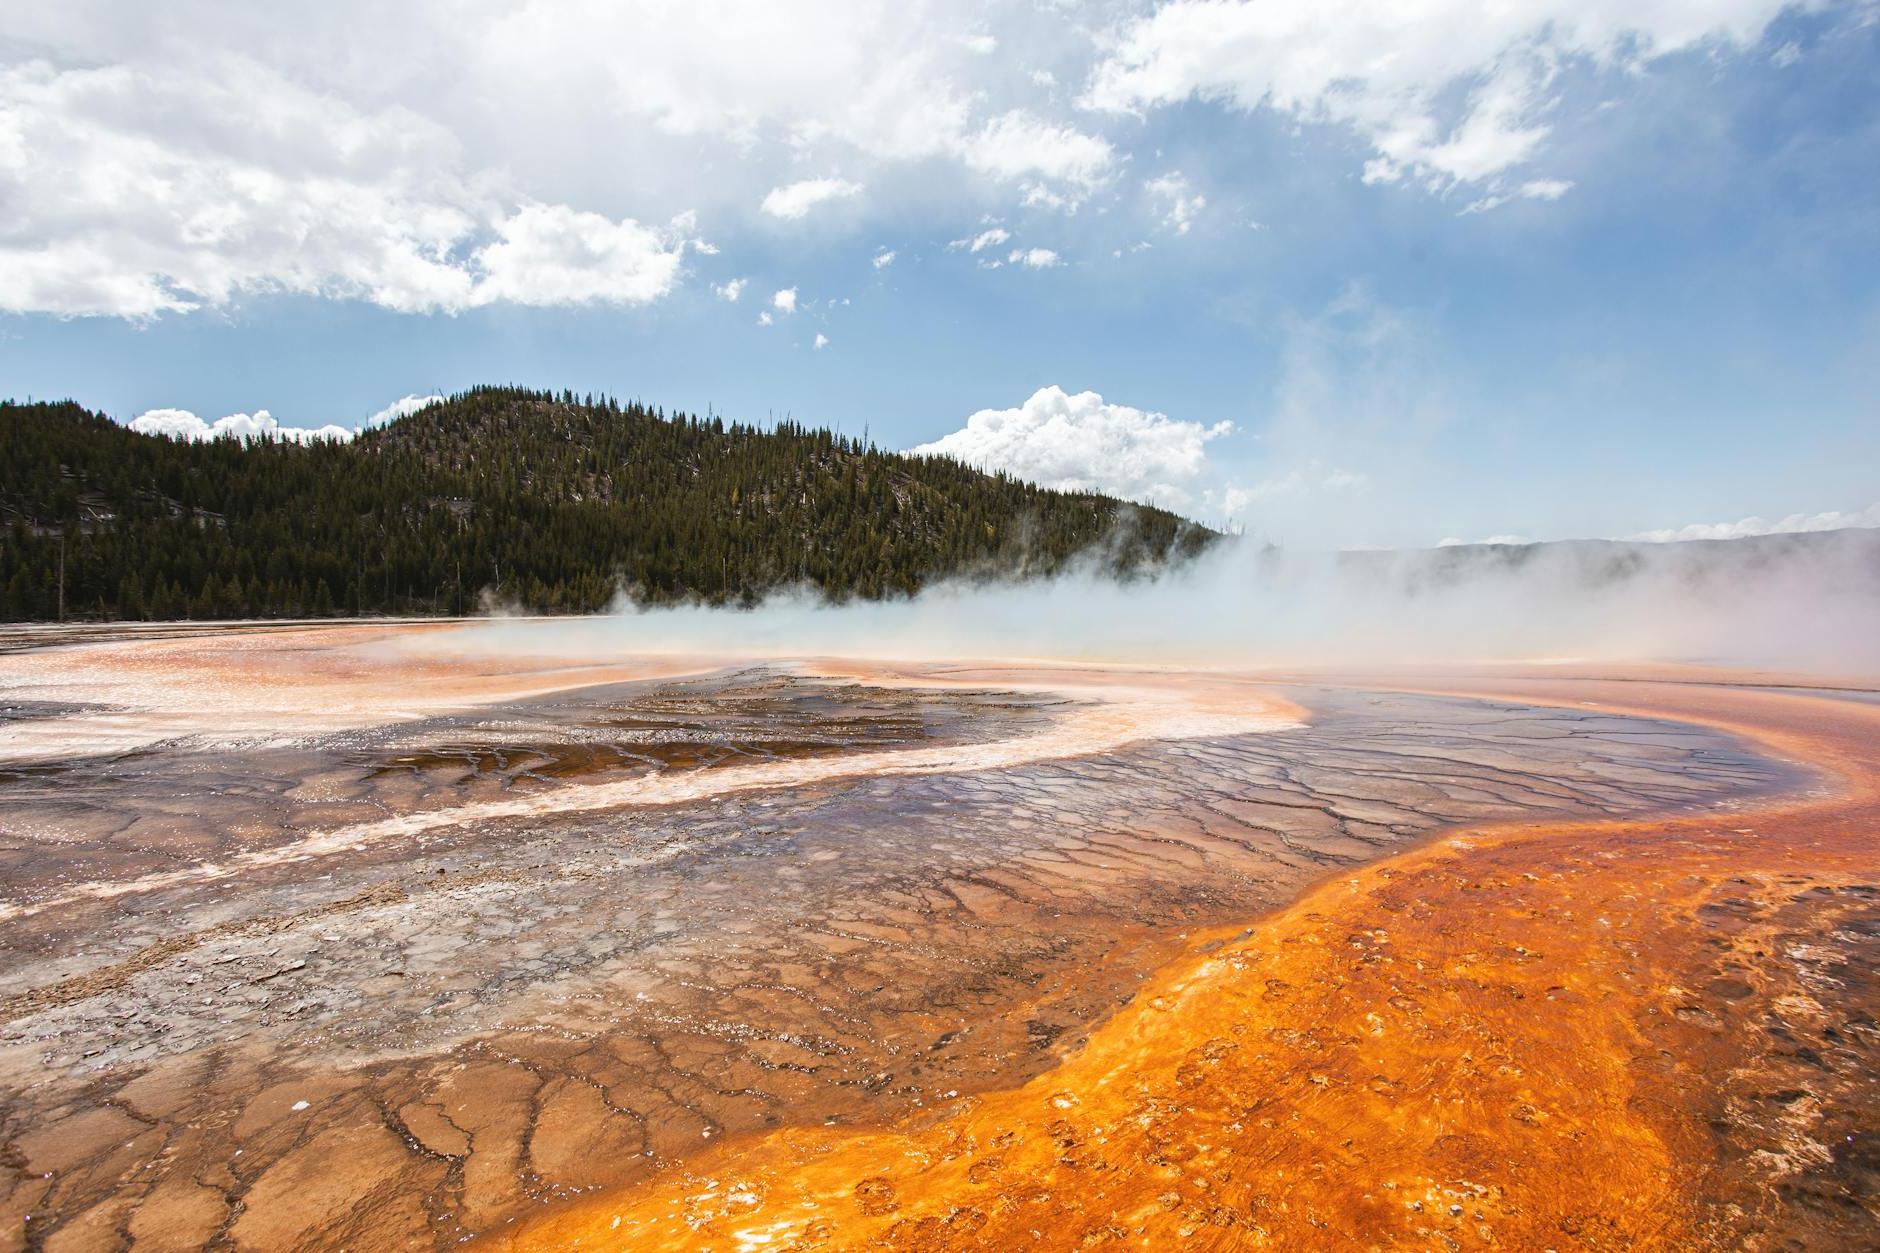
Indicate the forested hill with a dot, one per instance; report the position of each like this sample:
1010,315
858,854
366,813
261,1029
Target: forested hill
550,502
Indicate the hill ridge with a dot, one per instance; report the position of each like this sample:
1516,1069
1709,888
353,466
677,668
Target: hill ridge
536,498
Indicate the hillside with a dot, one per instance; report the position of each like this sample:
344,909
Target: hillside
549,502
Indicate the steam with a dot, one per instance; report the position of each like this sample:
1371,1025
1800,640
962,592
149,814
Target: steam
1808,602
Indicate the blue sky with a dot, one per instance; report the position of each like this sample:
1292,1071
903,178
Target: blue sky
1359,274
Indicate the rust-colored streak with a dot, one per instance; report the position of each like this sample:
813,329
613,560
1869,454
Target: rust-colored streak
1563,1035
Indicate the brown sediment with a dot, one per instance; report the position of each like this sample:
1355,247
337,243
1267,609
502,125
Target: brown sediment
1618,1034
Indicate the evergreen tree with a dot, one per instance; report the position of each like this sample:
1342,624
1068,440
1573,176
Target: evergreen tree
549,501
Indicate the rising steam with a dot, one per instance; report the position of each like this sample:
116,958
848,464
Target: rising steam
1792,601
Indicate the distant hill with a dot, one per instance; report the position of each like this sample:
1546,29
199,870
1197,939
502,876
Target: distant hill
549,502
1851,557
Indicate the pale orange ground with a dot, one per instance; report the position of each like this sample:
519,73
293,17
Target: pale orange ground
1484,1042
282,681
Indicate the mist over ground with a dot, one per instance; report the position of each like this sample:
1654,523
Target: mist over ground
1803,601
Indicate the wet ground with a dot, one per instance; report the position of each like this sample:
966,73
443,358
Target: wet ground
400,984
1654,1032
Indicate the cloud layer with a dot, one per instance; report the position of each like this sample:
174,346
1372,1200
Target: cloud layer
1445,92
508,153
177,192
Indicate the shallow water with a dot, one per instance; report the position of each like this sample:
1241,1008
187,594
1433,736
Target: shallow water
431,1032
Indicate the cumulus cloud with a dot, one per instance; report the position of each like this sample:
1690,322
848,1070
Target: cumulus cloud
1033,258
204,160
554,255
1446,92
731,289
1020,143
784,301
990,238
1833,520
1038,196
182,424
1083,443
402,408
160,205
1180,204
822,341
185,425
884,83
794,201
1545,188
884,259
177,193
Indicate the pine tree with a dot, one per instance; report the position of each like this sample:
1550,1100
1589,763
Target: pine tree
544,499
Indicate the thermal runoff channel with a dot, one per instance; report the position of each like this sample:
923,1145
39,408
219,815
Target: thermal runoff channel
672,928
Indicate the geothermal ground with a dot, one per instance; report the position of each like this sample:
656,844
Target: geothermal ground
383,937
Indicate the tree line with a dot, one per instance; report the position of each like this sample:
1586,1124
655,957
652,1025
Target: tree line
540,500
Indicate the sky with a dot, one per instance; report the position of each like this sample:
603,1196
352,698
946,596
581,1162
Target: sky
1376,273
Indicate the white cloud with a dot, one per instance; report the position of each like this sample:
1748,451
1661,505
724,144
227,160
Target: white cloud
764,319
1833,520
884,259
1533,189
1446,92
797,199
1038,196
1020,143
1034,258
784,301
1180,204
731,289
1082,443
985,239
822,341
175,192
554,255
854,79
179,192
205,159
402,408
1545,188
182,424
